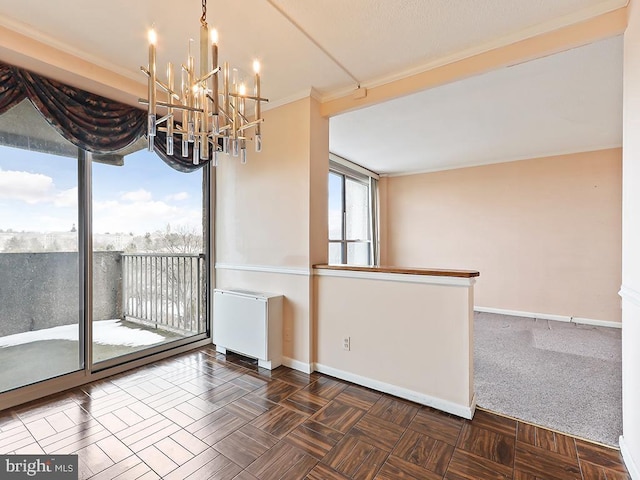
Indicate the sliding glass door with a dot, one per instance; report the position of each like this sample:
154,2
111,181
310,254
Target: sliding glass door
149,271
40,294
103,259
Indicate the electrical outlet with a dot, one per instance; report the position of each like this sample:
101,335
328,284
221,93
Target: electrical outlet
346,343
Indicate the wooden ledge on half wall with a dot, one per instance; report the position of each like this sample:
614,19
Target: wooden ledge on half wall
437,272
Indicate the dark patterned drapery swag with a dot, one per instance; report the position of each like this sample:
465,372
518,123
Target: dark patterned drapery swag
91,122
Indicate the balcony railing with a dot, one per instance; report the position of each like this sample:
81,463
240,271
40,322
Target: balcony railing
165,291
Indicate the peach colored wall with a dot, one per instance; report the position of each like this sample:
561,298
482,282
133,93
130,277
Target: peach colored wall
271,217
630,441
545,234
427,350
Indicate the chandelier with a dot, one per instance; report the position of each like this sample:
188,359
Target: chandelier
211,120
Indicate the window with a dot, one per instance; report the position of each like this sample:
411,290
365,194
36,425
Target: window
352,214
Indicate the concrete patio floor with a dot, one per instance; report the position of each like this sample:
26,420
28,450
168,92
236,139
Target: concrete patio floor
32,362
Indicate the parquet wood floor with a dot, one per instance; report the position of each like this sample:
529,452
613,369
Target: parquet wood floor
203,415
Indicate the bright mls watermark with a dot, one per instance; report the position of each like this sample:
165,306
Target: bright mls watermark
52,467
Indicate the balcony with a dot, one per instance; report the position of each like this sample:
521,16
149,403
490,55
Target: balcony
139,300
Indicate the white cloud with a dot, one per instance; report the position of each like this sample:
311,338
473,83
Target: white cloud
140,217
140,195
66,198
28,187
177,196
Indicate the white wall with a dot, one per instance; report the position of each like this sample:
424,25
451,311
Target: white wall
630,442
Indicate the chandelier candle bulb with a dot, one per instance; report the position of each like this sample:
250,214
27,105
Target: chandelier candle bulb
170,110
204,138
242,91
190,96
256,69
226,90
204,51
214,66
151,122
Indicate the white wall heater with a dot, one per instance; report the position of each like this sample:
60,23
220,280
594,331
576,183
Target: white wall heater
249,323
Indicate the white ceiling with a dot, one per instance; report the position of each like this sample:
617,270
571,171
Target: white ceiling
564,103
374,40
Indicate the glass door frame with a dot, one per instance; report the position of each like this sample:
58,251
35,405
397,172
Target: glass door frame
87,281
87,371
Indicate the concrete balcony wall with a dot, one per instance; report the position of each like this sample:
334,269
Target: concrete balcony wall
40,290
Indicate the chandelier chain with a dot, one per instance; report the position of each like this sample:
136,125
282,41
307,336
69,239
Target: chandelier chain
203,18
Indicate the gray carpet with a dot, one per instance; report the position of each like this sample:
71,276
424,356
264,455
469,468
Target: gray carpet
563,376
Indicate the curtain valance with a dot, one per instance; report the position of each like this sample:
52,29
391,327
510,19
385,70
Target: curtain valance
89,121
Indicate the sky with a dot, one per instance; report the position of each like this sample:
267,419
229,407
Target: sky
38,192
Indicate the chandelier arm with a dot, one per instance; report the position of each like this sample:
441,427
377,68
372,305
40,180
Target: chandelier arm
208,75
144,101
162,85
250,125
249,97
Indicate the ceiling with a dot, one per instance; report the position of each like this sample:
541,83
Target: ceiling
334,45
563,103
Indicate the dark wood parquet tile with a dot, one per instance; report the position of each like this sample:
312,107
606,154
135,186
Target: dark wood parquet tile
339,416
323,472
279,421
591,471
544,463
378,432
484,443
220,468
437,425
424,451
305,402
199,462
250,407
397,469
395,411
607,458
546,439
282,461
326,387
241,448
467,466
203,415
314,438
296,378
276,391
358,397
497,423
355,458
216,426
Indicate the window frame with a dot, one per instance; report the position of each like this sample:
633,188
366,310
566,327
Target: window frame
348,170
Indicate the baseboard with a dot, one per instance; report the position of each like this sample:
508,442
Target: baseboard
596,323
297,365
632,467
549,316
421,398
